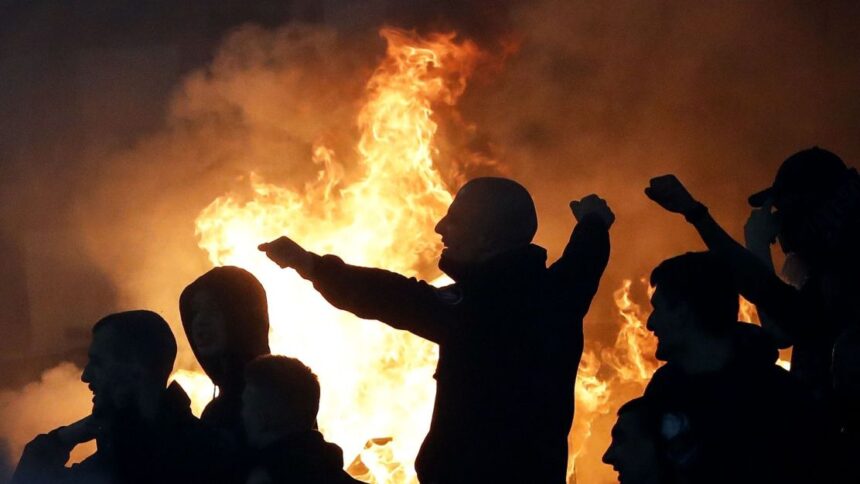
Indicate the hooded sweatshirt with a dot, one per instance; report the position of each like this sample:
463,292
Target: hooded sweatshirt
242,299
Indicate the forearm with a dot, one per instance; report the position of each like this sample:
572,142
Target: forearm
754,276
370,293
578,271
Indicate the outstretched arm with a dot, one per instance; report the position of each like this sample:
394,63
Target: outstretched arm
755,280
578,271
401,302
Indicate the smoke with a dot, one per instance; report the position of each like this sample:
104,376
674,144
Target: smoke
42,406
118,139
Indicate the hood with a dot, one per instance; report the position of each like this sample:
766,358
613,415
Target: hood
242,299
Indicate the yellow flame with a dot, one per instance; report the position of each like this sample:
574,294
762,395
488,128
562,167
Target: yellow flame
377,386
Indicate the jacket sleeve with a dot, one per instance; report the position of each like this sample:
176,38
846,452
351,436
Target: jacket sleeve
576,275
400,302
43,461
788,308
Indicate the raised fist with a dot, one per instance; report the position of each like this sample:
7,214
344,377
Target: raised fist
761,228
592,204
671,194
286,253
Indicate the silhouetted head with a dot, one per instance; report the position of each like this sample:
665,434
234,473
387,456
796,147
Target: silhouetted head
131,353
636,451
846,377
226,319
488,216
804,182
694,299
281,397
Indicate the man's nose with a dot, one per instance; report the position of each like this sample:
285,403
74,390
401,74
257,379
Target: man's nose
608,456
440,226
85,376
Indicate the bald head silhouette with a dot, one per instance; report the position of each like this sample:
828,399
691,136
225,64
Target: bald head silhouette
488,216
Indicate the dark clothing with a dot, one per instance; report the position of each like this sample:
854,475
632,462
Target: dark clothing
812,317
173,449
750,422
242,301
304,458
510,339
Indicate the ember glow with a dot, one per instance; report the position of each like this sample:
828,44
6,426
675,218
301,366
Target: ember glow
377,385
377,382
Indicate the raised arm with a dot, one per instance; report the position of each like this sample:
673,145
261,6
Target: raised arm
401,302
755,281
578,271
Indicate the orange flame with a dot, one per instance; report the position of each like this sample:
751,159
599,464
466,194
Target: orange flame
377,382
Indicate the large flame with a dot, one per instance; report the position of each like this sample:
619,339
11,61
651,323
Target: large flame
377,386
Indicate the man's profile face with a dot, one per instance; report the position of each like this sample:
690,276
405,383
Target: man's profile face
255,413
208,326
667,323
632,453
464,228
112,380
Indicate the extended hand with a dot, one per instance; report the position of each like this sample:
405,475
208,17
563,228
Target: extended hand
671,194
592,204
286,253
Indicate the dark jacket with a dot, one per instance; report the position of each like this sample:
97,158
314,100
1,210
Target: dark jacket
510,340
749,422
173,449
304,458
242,299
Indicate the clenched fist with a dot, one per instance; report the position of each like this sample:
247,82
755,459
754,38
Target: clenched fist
286,253
671,194
592,204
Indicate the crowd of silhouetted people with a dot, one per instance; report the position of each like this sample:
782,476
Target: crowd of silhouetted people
510,338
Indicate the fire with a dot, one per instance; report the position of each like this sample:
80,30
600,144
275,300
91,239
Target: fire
377,385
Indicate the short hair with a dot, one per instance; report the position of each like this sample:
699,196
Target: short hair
143,337
650,416
290,382
702,281
516,206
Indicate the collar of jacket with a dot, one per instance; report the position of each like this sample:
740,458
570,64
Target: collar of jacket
508,268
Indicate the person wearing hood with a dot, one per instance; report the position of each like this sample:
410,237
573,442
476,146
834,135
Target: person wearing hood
741,418
144,429
509,330
279,410
226,320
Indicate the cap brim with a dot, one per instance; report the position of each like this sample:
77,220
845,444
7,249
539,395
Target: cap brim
759,199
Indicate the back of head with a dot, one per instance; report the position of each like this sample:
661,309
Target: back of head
506,206
702,282
242,300
286,386
143,338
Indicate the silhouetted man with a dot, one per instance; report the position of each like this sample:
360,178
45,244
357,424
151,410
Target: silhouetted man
144,431
279,410
226,319
846,386
638,450
749,421
509,330
817,222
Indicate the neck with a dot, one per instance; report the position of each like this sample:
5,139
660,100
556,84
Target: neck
149,403
713,354
269,436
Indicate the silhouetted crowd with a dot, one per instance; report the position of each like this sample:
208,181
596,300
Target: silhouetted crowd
510,338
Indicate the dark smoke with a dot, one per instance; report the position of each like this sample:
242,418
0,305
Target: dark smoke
120,120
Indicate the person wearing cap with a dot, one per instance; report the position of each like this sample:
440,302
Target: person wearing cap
813,211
